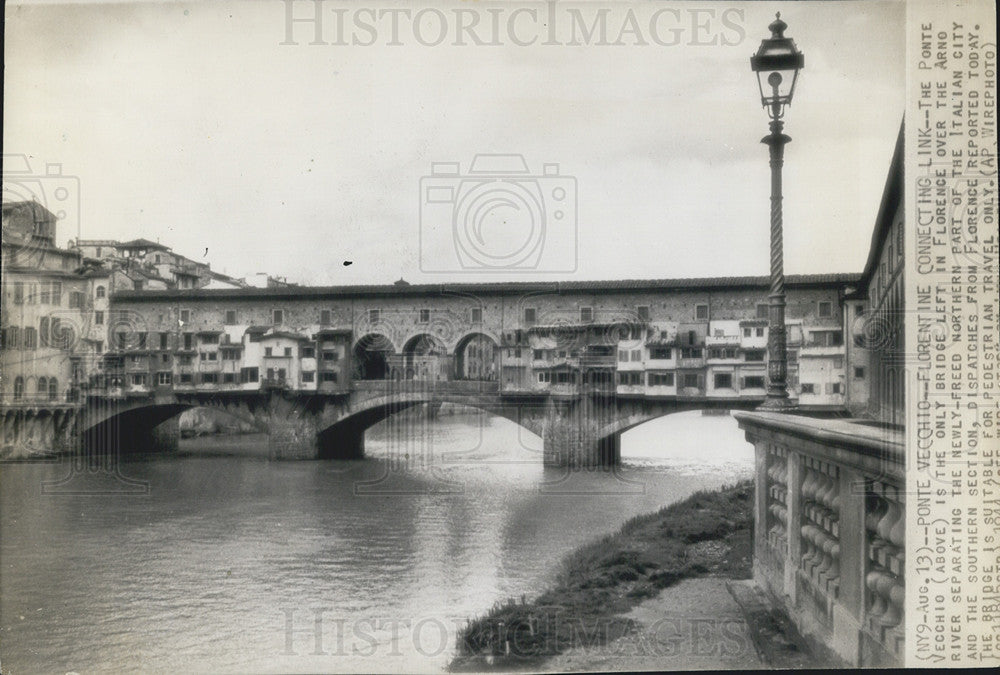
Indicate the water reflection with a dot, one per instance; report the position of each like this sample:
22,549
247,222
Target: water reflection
233,563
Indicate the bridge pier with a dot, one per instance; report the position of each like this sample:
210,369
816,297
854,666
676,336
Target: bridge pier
292,427
572,435
343,441
37,432
566,445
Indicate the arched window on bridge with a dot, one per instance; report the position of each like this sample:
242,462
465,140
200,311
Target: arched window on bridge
425,357
18,388
100,291
53,388
371,357
477,357
42,389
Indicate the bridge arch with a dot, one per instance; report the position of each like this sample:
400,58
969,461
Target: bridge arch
130,429
634,419
477,357
421,344
344,437
371,357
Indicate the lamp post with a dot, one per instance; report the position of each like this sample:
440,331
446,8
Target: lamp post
777,64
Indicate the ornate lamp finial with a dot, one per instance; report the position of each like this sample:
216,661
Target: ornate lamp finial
778,27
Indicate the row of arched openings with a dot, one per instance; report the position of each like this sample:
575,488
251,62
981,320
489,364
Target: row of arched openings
45,388
424,356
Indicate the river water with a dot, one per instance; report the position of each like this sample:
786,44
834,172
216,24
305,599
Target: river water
229,562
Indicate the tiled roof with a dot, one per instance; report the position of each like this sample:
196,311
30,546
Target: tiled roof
497,288
142,243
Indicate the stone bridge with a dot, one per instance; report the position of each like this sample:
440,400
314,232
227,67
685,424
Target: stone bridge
583,430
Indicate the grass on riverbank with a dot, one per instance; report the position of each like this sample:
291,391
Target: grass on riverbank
706,534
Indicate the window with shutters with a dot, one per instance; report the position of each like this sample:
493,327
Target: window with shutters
661,379
723,380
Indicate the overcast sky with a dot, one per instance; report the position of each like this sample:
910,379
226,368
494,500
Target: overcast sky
191,124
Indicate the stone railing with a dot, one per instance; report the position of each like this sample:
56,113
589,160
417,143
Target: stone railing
830,530
443,387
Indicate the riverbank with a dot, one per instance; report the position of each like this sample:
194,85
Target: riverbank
706,535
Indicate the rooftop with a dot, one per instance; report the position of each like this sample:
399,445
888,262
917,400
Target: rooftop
38,211
142,243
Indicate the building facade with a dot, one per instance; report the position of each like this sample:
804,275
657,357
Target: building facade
670,338
47,313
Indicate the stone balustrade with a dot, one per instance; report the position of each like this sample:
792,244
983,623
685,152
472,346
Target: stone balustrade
830,530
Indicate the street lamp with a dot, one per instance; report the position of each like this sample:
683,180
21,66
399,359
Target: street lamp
777,64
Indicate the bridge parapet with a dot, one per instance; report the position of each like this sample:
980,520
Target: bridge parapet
444,387
829,530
